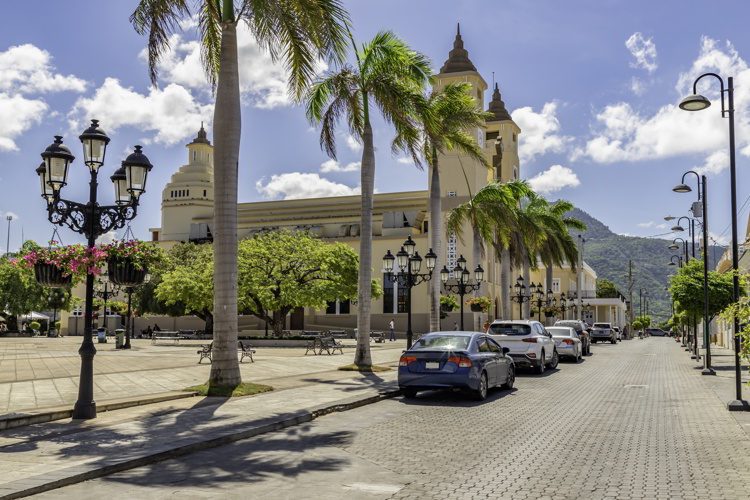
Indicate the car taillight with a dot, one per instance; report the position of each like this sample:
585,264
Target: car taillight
568,341
461,361
531,340
405,360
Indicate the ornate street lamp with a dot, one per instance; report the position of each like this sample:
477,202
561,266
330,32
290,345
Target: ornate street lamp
92,220
543,299
129,323
105,290
463,285
703,199
520,295
409,264
697,102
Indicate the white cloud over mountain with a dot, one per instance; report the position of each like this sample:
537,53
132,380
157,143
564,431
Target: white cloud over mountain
296,185
540,132
554,179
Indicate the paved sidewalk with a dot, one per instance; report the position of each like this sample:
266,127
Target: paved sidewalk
44,456
39,373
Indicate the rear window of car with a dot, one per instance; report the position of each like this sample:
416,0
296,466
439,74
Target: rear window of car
571,324
559,332
443,343
509,329
601,325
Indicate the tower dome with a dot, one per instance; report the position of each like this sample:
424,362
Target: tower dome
458,58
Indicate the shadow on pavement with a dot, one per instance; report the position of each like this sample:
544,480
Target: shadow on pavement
453,398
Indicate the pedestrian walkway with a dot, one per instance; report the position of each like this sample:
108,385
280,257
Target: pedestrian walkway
40,373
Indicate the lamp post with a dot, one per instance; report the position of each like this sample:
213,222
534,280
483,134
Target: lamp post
543,299
675,246
697,102
520,294
9,218
105,291
92,220
703,199
690,229
463,284
409,264
129,321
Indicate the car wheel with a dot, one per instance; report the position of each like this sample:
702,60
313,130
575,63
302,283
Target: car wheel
511,378
540,367
555,360
481,393
579,357
409,393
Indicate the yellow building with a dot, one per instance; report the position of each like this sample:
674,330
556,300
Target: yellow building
187,213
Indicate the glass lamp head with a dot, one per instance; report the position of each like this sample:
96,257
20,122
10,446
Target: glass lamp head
461,261
695,102
430,259
682,188
444,274
46,189
409,246
415,263
479,274
120,181
388,260
402,259
58,158
137,166
94,141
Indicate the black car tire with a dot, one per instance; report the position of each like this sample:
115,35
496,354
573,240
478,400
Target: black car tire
579,358
555,360
511,378
541,366
409,393
481,393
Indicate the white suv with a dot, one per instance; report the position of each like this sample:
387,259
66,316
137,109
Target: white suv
529,342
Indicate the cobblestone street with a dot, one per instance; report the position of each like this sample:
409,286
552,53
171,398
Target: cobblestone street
635,420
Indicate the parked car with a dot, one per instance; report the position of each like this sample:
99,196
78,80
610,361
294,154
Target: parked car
528,341
582,329
656,332
618,333
470,361
603,331
567,343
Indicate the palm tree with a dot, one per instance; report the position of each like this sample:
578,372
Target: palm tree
444,118
493,216
297,32
391,77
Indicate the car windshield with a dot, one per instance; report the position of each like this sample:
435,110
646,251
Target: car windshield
559,332
443,342
509,329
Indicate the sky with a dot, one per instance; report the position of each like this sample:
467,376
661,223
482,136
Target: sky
593,84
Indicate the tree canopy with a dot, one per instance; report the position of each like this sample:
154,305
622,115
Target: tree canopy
606,289
686,287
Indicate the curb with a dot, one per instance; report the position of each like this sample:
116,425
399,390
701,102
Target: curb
62,412
255,429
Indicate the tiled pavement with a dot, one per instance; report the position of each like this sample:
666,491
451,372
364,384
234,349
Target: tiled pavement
634,421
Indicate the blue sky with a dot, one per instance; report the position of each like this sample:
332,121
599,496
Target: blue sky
592,83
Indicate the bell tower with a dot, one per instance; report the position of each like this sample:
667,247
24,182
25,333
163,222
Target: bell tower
501,141
190,194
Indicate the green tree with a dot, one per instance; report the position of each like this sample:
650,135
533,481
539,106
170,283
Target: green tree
606,289
296,32
391,77
686,287
19,291
444,119
282,270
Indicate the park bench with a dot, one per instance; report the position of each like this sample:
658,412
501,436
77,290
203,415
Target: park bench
167,338
205,352
378,337
330,345
310,334
338,334
246,350
312,345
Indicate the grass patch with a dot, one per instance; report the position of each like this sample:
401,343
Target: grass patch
244,389
363,369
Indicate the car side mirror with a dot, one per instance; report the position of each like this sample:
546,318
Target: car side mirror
506,350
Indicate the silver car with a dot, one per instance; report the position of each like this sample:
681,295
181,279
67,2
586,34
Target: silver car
567,342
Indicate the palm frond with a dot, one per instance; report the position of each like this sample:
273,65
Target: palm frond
209,23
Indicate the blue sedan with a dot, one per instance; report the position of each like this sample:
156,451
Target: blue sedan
470,361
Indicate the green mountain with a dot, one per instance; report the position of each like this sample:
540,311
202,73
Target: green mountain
609,254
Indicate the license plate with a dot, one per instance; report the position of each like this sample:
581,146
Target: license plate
432,365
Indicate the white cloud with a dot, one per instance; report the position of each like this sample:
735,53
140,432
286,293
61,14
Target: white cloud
353,143
715,163
406,160
263,82
27,69
539,131
5,215
554,179
296,185
643,51
335,166
638,86
646,224
17,115
626,134
172,113
107,238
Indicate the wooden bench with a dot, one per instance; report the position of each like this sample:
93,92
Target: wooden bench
155,339
205,352
246,350
330,345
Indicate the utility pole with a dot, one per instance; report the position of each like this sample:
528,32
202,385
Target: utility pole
7,243
630,294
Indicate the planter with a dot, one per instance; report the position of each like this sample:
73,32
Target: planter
50,275
124,273
549,314
445,308
477,308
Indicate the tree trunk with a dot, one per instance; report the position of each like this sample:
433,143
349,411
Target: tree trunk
278,323
225,369
209,326
476,259
435,229
549,285
505,271
362,355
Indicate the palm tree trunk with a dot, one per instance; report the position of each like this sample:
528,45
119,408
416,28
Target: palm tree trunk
549,284
225,370
505,283
436,229
364,295
526,277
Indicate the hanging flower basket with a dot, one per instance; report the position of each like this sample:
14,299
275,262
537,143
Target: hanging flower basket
51,275
125,272
479,304
448,303
477,308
